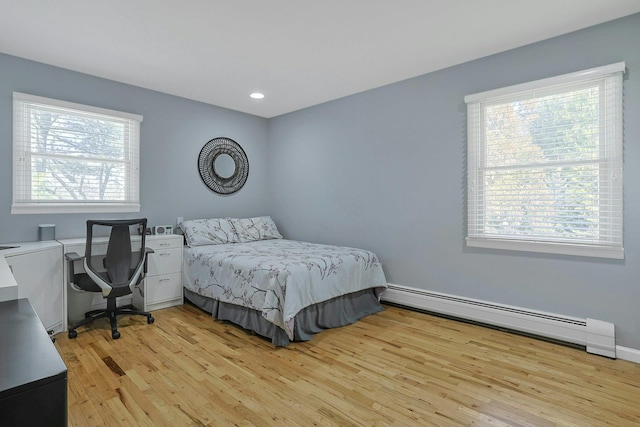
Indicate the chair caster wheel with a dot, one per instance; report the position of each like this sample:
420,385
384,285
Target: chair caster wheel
72,334
150,320
115,335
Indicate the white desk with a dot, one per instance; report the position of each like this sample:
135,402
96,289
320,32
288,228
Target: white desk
8,285
37,271
161,288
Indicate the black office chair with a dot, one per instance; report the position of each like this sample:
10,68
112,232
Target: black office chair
114,274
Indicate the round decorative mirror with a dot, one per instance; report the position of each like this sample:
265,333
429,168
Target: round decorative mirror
223,165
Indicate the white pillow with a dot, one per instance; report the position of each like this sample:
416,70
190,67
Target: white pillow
252,229
214,231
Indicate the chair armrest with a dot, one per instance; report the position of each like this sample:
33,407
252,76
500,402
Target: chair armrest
72,256
147,251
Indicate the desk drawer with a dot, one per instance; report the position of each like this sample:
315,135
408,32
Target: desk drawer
168,242
164,261
162,288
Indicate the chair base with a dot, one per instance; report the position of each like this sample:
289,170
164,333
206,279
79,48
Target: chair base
111,312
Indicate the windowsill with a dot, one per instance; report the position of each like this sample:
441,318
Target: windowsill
547,247
61,208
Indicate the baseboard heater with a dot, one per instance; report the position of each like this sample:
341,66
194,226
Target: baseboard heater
597,336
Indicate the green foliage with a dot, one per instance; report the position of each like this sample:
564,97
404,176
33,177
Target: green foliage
541,176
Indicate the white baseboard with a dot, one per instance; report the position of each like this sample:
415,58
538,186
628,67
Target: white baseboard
629,354
597,336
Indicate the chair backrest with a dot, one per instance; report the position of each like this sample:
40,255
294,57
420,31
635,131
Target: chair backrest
121,265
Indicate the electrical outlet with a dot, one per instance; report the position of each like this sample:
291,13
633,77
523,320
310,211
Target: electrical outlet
179,221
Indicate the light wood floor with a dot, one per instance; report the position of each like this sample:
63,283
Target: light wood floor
397,367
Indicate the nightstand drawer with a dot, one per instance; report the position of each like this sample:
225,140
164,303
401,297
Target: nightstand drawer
162,288
164,261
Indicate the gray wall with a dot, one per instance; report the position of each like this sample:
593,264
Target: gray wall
382,170
385,170
172,134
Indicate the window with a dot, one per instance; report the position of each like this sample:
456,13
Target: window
545,165
73,158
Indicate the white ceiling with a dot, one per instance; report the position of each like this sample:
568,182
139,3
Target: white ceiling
299,53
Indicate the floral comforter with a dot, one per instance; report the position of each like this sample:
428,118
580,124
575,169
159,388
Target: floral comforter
280,277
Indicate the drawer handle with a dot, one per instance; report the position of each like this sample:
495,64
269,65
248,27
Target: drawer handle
165,254
165,244
164,280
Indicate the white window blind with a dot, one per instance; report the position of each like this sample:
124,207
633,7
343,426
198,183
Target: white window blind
545,165
73,158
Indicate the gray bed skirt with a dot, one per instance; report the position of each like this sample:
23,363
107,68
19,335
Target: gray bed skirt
334,313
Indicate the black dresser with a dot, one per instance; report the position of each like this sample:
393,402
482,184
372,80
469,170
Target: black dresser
33,377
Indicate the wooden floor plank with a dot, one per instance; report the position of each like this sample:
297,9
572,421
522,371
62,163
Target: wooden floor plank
398,367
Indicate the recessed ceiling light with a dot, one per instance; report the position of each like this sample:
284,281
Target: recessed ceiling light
257,95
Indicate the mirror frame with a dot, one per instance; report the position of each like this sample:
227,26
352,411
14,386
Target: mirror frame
206,165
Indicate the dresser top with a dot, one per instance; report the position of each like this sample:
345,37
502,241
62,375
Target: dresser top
27,355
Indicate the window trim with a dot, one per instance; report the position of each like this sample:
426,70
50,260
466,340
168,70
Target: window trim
23,205
475,143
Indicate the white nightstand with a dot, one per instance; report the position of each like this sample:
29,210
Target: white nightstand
162,286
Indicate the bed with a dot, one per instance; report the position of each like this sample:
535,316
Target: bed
241,270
